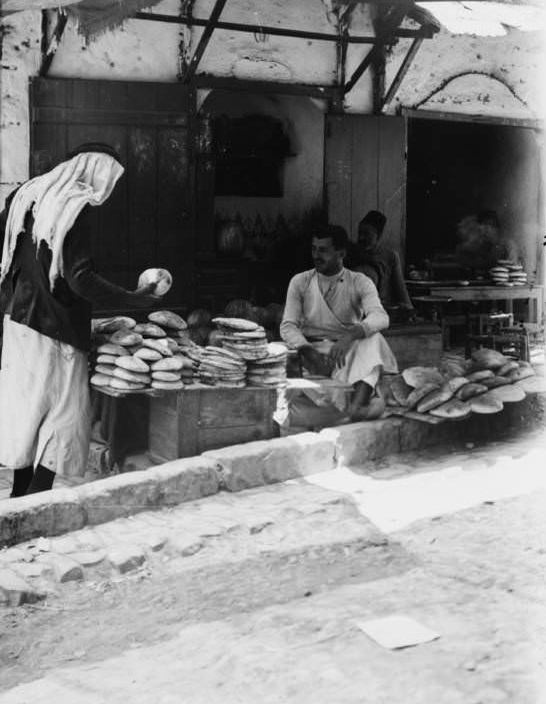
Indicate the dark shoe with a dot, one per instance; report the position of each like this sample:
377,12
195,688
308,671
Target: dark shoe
21,481
42,481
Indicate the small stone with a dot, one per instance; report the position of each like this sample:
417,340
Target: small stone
186,545
14,591
126,558
89,558
64,545
155,541
65,569
13,555
30,569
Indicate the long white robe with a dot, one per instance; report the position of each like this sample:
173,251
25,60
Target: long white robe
351,299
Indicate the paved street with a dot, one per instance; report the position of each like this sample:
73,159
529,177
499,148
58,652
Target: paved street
267,607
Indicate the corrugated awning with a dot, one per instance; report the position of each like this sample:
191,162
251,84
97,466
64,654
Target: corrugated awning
486,19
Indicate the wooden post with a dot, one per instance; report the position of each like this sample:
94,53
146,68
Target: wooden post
205,38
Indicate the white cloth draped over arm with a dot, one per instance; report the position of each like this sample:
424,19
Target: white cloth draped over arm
375,316
290,328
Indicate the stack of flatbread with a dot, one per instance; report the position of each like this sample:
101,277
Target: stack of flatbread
517,276
221,367
269,371
500,275
133,356
245,338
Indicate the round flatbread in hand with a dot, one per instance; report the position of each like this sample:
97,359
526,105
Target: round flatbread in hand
161,278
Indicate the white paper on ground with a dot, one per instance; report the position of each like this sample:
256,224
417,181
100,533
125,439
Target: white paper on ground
397,631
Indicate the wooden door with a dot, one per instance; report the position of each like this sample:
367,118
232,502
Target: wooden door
148,220
365,169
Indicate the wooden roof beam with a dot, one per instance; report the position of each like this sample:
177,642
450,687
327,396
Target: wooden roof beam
401,33
204,39
397,80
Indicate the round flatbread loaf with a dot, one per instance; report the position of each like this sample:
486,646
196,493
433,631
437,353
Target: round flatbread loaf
147,354
508,367
100,380
400,390
106,369
419,376
167,319
126,338
237,324
161,346
149,330
110,325
110,348
167,385
434,399
488,359
486,403
417,394
161,278
132,364
166,376
454,409
470,390
495,381
125,385
127,375
106,359
480,375
509,394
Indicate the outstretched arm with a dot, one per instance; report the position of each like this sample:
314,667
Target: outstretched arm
81,277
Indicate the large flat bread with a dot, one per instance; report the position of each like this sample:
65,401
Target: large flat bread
132,364
147,354
168,319
479,376
400,390
110,325
419,393
238,324
419,376
434,399
110,348
100,380
126,338
125,385
150,330
470,390
486,358
167,385
454,409
165,376
135,377
486,403
509,394
159,345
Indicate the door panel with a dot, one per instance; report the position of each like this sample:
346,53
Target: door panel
365,169
148,220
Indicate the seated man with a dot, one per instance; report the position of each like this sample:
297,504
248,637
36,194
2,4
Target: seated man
382,264
333,317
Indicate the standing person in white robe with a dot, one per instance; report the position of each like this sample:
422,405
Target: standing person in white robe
48,286
333,317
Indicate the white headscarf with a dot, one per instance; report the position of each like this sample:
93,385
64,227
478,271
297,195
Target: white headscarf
57,198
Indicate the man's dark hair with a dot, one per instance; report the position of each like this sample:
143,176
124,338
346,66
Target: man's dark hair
336,233
100,147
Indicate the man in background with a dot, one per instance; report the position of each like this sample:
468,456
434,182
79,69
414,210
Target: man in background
382,264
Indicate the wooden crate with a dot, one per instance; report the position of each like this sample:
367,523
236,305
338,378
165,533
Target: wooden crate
198,419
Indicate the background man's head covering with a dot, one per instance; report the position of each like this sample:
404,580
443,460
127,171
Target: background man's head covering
374,219
56,198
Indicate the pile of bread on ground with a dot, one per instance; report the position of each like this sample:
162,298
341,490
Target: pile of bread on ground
459,386
160,355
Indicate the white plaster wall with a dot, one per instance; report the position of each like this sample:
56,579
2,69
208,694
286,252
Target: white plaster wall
498,76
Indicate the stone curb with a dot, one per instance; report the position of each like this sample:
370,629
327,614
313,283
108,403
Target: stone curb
244,466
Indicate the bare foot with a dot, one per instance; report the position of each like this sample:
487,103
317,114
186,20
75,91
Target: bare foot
374,410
